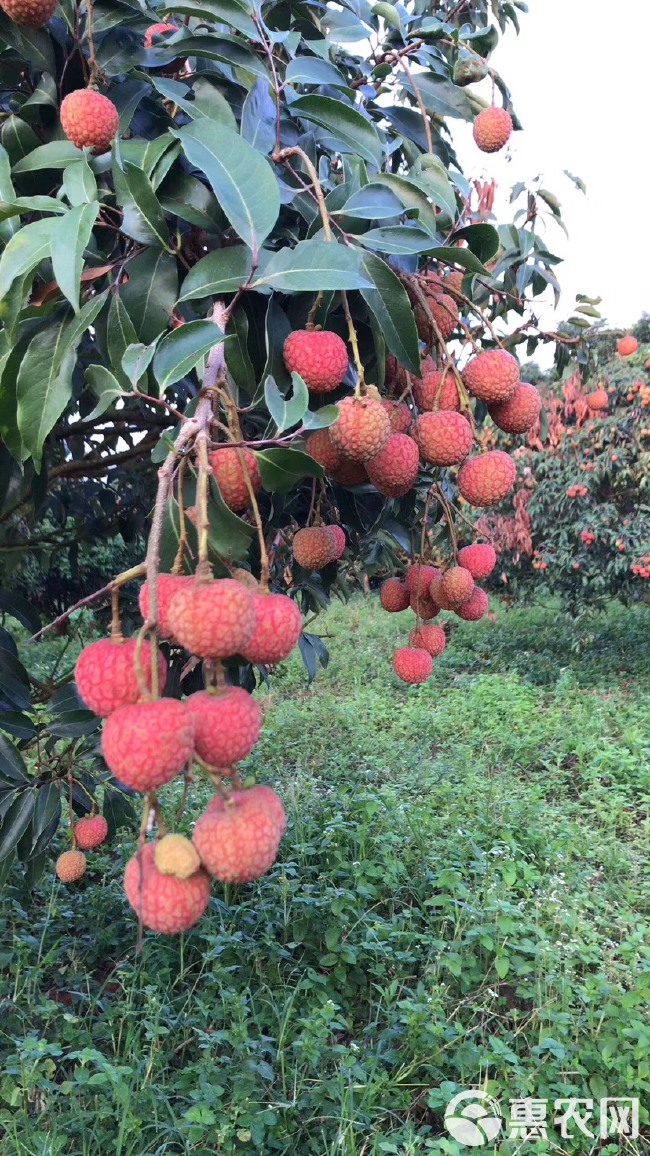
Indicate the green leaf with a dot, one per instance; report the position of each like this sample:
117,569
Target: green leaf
258,118
26,249
104,385
119,335
430,175
181,350
148,207
15,821
502,966
150,293
313,265
228,50
79,324
412,197
69,241
280,469
17,724
55,155
46,808
321,418
373,202
7,196
313,70
79,183
441,96
222,11
351,131
463,257
136,360
390,304
29,205
44,387
286,411
20,609
220,272
482,240
243,181
207,103
397,239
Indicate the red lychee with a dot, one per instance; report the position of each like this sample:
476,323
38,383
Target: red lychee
158,30
350,473
229,465
106,673
394,595
167,586
419,577
424,607
321,448
399,415
428,637
412,664
362,428
339,541
394,469
226,724
146,745
444,438
520,412
320,357
627,346
598,399
164,903
29,13
214,619
238,838
479,558
313,547
492,129
90,832
89,119
278,623
70,866
475,607
431,392
456,585
444,311
492,376
487,479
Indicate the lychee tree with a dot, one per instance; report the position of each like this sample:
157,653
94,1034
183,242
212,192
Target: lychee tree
249,298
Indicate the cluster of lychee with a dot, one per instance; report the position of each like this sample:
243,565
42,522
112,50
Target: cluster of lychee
87,834
427,590
148,740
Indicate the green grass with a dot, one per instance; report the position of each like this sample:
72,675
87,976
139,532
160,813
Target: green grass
462,897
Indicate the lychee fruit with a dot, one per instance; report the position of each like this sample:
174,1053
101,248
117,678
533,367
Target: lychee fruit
480,559
520,412
106,673
350,473
176,855
164,903
146,745
249,580
412,664
444,311
321,448
158,30
487,479
419,577
394,595
90,832
226,724
313,547
444,438
230,464
238,838
213,619
399,415
395,375
428,637
278,623
598,399
431,392
339,541
89,119
492,129
492,376
424,606
395,468
319,356
626,346
167,586
456,585
475,607
362,428
70,866
29,13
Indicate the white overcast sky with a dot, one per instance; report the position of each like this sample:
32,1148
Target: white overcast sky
580,82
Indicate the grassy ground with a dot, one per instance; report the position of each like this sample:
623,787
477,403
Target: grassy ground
462,899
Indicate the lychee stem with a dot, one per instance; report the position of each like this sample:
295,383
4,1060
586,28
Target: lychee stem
116,626
177,568
352,337
282,155
449,519
120,580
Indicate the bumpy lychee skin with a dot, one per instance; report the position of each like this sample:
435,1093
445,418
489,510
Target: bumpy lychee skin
146,745
167,586
399,415
350,473
424,607
520,412
339,541
164,903
321,448
230,466
412,664
226,725
158,30
598,399
313,547
278,623
444,311
492,376
627,346
362,428
214,619
238,839
320,357
29,13
91,832
429,637
394,469
492,129
394,595
419,577
176,855
480,559
430,394
444,438
89,119
70,866
457,585
475,607
487,479
106,674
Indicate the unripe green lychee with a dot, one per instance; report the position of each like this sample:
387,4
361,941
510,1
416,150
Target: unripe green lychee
176,855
